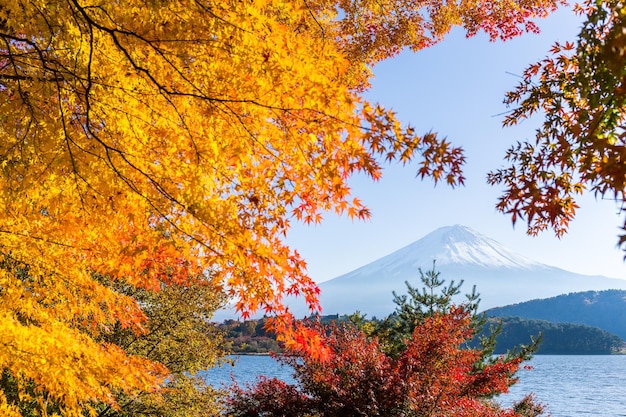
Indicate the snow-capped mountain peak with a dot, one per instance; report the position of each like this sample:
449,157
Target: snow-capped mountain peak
461,245
458,245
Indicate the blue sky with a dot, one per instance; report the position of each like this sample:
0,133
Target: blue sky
456,89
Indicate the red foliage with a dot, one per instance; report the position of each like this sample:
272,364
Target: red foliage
441,377
434,376
297,337
271,397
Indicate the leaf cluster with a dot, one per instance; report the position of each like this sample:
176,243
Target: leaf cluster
580,92
177,334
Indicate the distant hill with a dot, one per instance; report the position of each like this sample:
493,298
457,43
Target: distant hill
557,338
602,309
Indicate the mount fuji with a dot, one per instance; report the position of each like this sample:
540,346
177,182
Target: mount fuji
501,276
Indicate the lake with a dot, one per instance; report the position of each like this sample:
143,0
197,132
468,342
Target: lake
571,386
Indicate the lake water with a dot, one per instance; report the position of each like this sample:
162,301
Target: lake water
571,386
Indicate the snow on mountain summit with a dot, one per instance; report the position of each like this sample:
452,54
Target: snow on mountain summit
454,245
461,245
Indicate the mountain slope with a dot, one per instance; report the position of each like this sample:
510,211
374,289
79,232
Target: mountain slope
602,309
501,276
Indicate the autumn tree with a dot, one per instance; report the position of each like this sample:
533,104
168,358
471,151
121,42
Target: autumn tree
433,372
580,92
178,333
154,141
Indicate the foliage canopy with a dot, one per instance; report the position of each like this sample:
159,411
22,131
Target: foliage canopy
153,141
177,333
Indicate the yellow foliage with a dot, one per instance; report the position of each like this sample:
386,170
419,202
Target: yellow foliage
150,141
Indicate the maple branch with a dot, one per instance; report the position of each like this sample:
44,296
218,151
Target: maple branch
13,77
306,3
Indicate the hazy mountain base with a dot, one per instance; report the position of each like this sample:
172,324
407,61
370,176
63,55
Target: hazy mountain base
497,288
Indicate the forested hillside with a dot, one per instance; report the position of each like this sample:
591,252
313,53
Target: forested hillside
249,337
603,309
557,338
